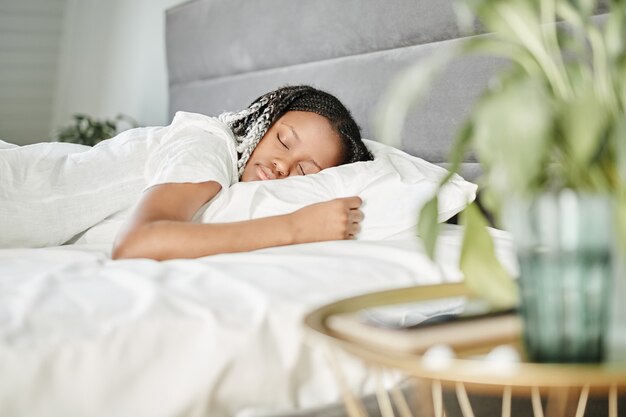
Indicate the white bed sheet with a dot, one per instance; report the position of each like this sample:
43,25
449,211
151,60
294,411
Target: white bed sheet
82,335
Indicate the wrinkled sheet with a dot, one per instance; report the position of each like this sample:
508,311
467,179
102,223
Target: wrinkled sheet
82,335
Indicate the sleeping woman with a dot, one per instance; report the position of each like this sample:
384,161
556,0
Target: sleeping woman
50,193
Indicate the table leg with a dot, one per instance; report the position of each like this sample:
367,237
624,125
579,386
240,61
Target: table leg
438,399
384,403
398,398
582,401
506,402
613,401
558,402
536,401
423,398
464,402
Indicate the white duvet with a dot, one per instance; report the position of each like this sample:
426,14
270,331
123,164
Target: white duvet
82,335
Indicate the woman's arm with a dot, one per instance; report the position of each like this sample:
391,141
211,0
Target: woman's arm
160,226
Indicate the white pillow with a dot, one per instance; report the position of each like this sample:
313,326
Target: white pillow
393,187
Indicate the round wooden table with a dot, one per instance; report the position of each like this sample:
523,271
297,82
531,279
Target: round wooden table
566,387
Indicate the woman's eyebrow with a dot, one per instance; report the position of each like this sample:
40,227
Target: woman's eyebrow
298,138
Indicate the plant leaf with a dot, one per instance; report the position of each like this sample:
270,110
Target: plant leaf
519,22
620,214
458,150
504,49
619,139
484,275
428,225
614,31
621,76
512,133
583,121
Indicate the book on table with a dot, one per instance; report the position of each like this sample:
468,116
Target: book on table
463,323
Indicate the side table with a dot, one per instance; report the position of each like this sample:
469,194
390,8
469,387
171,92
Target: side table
566,388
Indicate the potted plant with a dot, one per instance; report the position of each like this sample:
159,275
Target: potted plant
550,133
89,131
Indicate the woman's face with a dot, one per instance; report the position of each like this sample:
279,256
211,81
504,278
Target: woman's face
299,143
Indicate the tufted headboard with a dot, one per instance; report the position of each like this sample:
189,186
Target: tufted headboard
222,54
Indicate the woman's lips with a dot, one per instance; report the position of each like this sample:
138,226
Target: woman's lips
264,174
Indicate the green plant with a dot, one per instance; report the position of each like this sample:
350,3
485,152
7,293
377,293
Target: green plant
553,119
89,131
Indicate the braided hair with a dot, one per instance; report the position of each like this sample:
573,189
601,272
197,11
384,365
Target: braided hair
250,125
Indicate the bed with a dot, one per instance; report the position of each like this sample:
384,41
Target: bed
81,334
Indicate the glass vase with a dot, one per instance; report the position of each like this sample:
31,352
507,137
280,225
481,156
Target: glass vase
564,244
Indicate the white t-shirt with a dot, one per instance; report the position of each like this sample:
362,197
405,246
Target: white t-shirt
50,192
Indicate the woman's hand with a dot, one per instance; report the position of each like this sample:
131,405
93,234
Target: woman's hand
331,220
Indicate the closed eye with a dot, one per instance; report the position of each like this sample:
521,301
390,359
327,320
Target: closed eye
281,142
301,170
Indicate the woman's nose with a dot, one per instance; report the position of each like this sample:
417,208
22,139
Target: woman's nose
280,168
285,168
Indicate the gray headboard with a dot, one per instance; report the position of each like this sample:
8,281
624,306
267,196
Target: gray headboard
222,54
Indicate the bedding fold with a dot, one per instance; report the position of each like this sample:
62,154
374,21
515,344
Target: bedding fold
51,192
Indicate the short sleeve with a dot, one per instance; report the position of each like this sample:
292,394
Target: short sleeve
196,148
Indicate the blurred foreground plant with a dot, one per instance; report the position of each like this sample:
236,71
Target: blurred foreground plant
553,119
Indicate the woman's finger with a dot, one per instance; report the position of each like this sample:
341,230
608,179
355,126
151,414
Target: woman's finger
355,216
352,202
353,230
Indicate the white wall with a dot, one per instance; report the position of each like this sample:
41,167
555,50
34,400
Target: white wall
30,39
113,61
60,57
